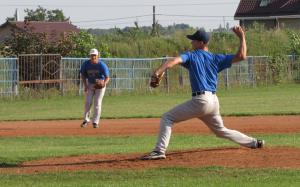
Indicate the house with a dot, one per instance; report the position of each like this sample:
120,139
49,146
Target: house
53,30
270,13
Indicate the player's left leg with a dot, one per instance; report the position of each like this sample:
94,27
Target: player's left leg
99,94
87,105
215,123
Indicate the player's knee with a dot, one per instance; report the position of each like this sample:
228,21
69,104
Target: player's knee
166,119
221,132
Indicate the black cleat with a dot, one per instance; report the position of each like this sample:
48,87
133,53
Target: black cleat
84,124
154,155
95,125
260,144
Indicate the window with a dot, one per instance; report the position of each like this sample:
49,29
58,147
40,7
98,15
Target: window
264,3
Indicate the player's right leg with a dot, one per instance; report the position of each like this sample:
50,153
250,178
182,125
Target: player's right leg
87,105
188,110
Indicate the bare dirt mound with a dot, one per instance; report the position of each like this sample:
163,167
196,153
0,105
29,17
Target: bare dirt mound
278,157
275,157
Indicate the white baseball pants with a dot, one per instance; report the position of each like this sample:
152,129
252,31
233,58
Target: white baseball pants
206,108
96,96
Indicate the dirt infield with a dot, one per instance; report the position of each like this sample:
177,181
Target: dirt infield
120,127
275,157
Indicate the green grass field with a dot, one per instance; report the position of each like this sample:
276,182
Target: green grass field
279,100
181,177
18,149
275,100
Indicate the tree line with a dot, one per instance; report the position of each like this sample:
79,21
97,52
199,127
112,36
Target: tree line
135,42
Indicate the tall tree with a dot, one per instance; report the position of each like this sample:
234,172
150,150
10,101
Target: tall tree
56,15
40,14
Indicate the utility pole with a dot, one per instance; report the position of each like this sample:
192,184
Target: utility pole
224,23
154,24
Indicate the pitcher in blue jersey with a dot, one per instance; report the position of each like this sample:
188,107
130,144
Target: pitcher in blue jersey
92,71
203,67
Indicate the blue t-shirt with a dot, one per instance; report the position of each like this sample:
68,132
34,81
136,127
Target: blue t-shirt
204,67
94,71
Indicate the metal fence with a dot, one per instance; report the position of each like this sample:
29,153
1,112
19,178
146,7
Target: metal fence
50,73
9,76
125,74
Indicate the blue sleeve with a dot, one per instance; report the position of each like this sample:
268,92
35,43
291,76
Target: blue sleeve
223,61
106,70
185,59
83,69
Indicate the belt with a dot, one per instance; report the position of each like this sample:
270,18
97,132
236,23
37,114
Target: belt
201,93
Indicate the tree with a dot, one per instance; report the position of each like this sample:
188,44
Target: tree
56,15
76,44
42,14
25,42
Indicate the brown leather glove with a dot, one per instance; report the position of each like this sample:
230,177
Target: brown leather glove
156,79
99,84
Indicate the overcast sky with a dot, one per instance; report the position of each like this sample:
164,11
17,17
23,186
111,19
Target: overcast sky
121,13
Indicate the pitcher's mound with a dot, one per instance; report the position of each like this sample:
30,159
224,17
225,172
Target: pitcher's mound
276,157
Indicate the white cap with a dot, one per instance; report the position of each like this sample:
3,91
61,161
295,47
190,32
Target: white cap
94,52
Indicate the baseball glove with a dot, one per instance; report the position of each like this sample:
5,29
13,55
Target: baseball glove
156,79
99,84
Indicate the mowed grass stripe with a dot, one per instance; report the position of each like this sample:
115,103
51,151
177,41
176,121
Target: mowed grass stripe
278,100
176,177
19,149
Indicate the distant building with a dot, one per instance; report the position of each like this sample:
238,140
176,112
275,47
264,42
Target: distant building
270,13
53,30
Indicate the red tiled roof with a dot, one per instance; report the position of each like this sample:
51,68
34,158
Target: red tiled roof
252,8
53,30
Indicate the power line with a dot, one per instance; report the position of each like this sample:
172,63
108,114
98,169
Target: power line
122,5
119,23
149,15
112,19
196,16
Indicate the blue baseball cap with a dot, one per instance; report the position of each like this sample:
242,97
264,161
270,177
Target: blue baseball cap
199,35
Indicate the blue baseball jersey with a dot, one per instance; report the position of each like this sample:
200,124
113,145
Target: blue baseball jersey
204,67
94,71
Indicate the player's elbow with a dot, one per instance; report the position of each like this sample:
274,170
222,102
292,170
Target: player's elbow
241,57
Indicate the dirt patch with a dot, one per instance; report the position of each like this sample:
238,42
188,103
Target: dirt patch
275,157
278,157
119,127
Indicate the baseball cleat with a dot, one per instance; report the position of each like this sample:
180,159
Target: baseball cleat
260,144
95,125
154,155
84,124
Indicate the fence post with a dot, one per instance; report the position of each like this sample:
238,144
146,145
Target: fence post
133,76
250,71
226,78
167,74
15,77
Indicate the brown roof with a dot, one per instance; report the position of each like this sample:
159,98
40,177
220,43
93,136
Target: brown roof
53,30
252,8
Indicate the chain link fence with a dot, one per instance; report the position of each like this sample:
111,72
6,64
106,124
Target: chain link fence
9,76
51,73
125,74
